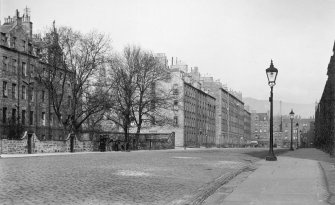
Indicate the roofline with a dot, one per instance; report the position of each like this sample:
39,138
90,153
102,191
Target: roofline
30,55
233,96
200,90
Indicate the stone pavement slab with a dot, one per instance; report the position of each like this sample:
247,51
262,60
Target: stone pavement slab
291,179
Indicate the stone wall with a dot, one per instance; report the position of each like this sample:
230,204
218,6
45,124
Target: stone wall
21,146
114,141
86,142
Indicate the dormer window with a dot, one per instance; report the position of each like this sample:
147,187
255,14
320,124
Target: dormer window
14,41
24,45
3,39
30,48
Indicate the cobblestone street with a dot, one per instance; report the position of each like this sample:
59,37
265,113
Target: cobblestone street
138,177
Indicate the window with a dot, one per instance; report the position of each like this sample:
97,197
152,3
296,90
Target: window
175,89
4,89
51,119
23,117
31,118
30,48
175,120
14,91
43,118
4,114
14,66
4,63
153,120
14,115
43,96
32,70
24,69
13,42
31,95
3,38
23,92
24,45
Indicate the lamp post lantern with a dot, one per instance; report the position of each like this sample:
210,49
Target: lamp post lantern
291,117
297,125
271,73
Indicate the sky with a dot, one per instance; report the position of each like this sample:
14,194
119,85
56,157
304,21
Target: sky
231,40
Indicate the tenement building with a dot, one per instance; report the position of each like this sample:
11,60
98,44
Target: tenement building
282,128
260,128
192,111
247,125
233,127
203,112
24,105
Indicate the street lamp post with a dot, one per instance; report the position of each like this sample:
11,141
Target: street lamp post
199,136
297,135
271,73
291,117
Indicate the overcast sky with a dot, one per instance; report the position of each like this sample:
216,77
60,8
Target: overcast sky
232,40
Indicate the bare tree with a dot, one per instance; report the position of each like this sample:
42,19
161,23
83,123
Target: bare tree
122,78
153,97
137,91
74,63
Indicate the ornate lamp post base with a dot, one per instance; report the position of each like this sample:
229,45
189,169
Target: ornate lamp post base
271,158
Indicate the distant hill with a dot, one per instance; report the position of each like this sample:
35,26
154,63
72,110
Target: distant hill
304,110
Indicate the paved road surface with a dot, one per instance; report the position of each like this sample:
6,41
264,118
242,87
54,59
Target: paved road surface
142,177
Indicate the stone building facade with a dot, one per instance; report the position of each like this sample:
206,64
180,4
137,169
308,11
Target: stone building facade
281,129
24,100
260,128
247,126
233,122
193,109
325,112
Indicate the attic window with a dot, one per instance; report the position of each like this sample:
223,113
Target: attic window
3,38
24,45
30,48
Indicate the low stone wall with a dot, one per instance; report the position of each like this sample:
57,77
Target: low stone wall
21,146
115,141
89,143
13,146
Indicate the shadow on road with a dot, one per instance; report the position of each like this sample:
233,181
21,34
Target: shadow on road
262,154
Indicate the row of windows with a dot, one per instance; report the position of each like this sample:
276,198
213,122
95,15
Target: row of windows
14,116
260,130
13,43
23,92
191,107
12,67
